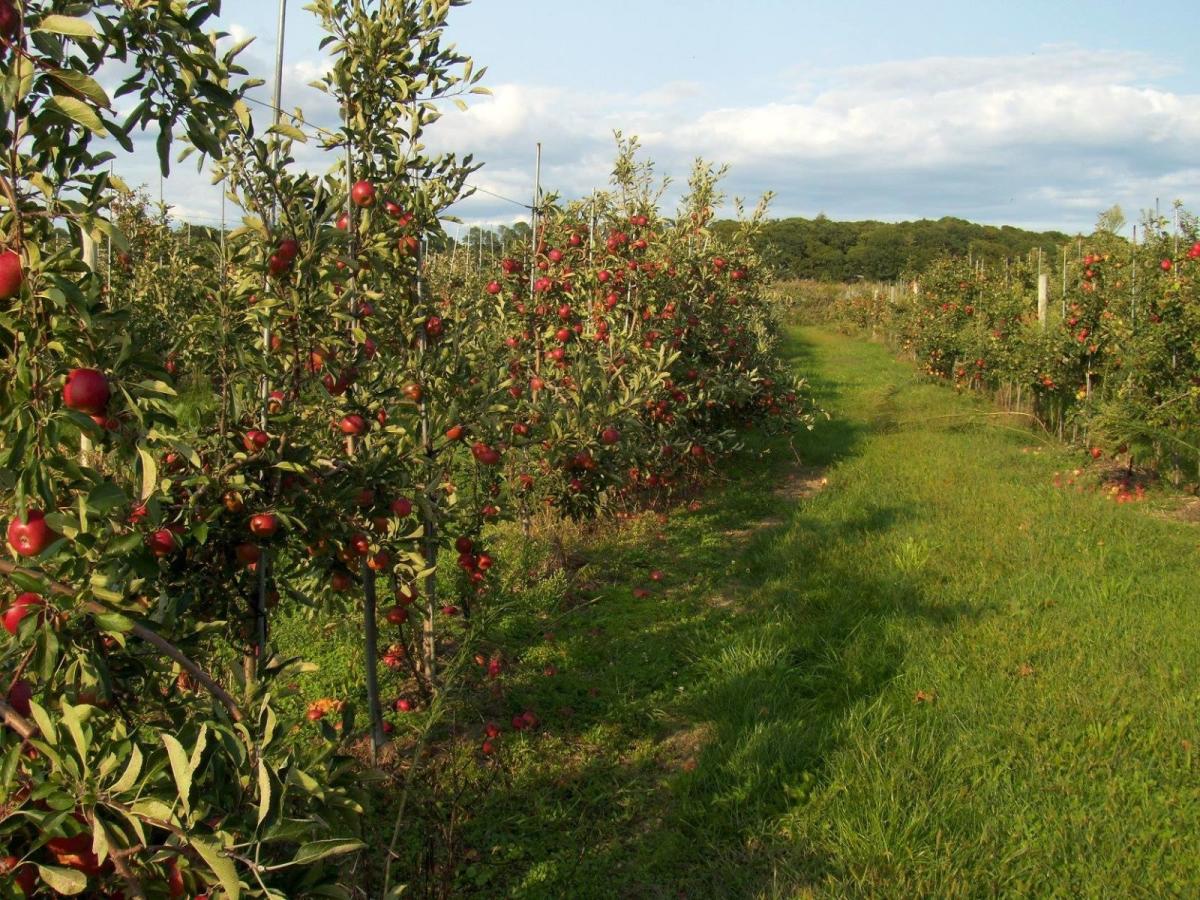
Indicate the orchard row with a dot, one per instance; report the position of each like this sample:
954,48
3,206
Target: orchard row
308,412
1114,362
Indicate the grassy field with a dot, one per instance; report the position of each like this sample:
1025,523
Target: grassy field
936,675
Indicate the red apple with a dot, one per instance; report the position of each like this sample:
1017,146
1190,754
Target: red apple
255,440
161,542
488,456
363,193
288,249
359,543
247,554
75,853
86,391
353,424
455,433
175,885
397,615
610,435
340,581
402,507
25,604
264,525
31,537
12,273
23,874
277,265
19,696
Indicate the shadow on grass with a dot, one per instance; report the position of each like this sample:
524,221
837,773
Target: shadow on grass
679,728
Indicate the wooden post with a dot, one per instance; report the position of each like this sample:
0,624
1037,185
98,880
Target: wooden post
428,516
1133,281
111,217
371,651
87,252
1043,298
533,239
1064,282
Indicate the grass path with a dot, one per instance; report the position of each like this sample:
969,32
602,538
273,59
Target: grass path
938,676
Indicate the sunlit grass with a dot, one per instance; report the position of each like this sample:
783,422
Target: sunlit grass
940,676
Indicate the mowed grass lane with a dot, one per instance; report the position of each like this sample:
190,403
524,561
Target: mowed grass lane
938,676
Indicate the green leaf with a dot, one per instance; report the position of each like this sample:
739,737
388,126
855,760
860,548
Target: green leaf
27,582
163,145
100,841
72,718
270,723
67,882
68,25
45,726
130,776
198,750
149,472
264,791
289,130
78,83
315,850
77,111
105,497
221,866
181,769
153,809
113,622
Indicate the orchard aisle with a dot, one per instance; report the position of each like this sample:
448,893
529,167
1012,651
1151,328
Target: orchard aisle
939,675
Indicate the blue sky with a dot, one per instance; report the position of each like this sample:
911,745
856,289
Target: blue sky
1034,114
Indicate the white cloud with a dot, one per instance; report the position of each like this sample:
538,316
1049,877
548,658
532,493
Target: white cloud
1047,138
1042,139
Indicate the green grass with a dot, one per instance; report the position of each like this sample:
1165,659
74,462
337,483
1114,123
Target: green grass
752,729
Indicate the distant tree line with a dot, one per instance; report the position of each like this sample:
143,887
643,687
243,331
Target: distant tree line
826,250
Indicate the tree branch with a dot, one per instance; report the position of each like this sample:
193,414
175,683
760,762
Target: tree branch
17,722
140,631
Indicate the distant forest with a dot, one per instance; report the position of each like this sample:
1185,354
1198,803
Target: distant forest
826,250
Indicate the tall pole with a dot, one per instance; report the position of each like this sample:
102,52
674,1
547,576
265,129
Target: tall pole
533,220
1064,282
533,247
277,94
108,267
264,387
1133,281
